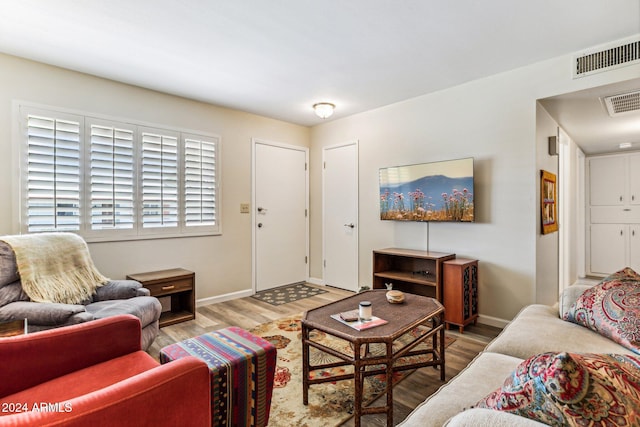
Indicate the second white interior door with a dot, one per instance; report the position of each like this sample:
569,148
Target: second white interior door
340,187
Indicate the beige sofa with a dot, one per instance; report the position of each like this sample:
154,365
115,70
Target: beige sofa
536,329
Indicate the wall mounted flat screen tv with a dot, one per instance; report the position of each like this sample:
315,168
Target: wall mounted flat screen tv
436,191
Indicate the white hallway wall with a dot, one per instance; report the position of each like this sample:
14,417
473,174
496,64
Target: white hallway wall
492,120
546,267
222,263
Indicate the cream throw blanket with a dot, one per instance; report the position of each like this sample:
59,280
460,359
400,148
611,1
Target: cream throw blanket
55,267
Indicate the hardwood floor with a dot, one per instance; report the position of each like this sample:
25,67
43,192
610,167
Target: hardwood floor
249,312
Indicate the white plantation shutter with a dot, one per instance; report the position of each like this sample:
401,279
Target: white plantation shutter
115,180
111,176
159,179
53,174
200,182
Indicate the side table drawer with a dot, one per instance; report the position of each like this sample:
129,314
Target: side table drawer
170,287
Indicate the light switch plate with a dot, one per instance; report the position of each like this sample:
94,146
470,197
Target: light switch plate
244,207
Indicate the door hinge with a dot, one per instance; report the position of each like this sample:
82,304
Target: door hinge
325,263
324,165
305,213
306,260
305,166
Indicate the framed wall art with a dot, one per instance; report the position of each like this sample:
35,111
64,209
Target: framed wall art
548,202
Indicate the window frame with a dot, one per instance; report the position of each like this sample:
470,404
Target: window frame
137,232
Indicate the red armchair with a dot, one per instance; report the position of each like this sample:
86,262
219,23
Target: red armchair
95,373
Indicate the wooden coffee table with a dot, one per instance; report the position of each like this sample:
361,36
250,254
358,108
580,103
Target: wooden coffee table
402,319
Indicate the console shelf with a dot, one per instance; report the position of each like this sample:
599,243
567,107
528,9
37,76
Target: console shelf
403,276
410,270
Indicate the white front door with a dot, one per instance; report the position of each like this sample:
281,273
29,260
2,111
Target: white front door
280,216
340,213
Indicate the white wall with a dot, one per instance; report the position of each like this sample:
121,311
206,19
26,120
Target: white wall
493,120
546,290
222,263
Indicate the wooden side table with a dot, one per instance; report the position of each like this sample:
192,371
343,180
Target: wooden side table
11,328
460,292
178,284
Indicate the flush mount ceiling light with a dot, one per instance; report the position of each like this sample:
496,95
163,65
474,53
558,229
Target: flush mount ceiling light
624,145
323,109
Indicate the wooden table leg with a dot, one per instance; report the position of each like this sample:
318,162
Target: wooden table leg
389,384
358,382
305,365
442,354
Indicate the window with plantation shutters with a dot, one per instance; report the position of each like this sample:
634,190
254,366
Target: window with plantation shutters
111,176
200,181
110,180
52,190
159,161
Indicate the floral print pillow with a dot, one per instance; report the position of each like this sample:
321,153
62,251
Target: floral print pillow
571,389
611,308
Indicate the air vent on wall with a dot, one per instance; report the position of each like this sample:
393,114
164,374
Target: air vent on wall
622,103
607,58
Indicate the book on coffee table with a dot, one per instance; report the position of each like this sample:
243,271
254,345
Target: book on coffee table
360,324
350,316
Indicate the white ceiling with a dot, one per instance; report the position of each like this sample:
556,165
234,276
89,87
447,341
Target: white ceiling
276,58
584,117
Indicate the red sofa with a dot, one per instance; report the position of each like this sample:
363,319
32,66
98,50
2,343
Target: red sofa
95,374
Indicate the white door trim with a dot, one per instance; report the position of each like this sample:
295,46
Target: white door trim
564,238
254,142
324,196
581,208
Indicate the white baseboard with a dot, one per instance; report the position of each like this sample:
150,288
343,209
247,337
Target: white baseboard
492,321
225,297
315,281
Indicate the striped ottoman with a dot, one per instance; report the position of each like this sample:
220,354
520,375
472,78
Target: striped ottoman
242,368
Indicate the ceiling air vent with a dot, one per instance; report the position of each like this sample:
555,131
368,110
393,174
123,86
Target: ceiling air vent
607,59
622,103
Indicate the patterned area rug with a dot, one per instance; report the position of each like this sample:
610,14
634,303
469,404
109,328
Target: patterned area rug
288,293
331,403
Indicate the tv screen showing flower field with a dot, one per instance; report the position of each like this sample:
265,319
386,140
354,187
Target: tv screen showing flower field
436,191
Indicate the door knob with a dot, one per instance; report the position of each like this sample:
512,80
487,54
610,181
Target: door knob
259,225
352,225
261,209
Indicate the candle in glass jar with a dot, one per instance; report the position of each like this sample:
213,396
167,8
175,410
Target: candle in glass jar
364,310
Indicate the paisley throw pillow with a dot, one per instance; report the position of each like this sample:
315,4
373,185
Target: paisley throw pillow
570,389
611,308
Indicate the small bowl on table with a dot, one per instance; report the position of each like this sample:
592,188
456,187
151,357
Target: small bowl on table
395,297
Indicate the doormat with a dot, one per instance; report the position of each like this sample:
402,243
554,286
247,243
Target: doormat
288,293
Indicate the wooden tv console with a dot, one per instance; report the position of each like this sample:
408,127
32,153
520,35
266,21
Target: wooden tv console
409,270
